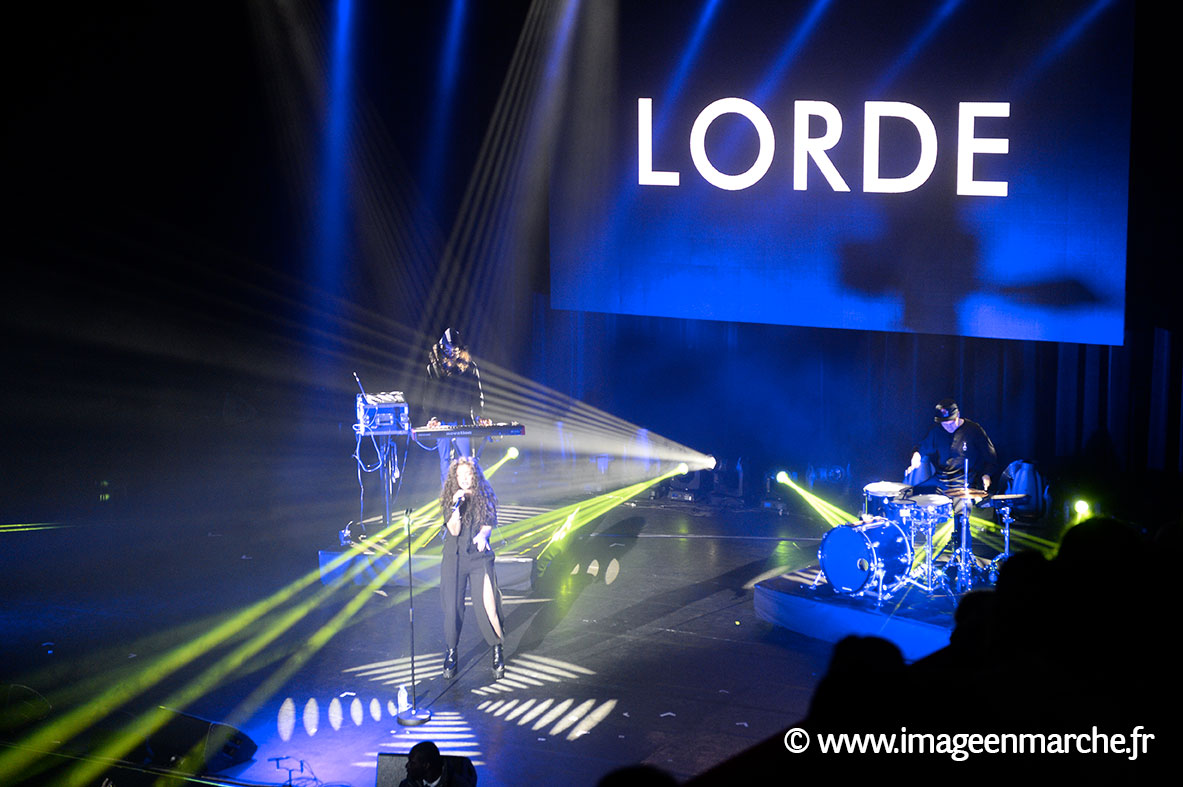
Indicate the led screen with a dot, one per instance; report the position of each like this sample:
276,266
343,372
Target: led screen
955,167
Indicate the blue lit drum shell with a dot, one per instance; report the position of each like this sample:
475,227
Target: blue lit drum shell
878,498
922,512
850,555
931,509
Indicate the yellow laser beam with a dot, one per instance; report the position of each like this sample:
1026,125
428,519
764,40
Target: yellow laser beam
831,514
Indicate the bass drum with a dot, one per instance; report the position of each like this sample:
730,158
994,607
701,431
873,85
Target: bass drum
851,555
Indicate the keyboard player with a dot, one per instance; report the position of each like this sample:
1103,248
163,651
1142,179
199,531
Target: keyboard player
456,396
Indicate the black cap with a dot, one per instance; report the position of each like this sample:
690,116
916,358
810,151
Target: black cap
451,340
946,411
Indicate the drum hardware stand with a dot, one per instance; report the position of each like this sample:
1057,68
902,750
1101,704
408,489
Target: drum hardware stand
967,564
879,572
1007,521
1002,504
928,584
1001,557
905,559
910,524
877,588
921,519
963,555
882,594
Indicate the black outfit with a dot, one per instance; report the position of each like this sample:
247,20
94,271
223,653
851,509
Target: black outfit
457,399
948,452
462,562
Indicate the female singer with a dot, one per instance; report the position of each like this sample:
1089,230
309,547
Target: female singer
469,508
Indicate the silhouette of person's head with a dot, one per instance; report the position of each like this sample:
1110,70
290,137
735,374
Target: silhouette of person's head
424,762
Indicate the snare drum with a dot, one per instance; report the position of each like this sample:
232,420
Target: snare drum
923,511
852,555
931,509
877,498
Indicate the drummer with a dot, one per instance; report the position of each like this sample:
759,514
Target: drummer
950,442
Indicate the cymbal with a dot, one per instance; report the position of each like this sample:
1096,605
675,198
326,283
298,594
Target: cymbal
973,494
1007,497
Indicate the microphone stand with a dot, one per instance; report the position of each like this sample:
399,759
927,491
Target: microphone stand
413,716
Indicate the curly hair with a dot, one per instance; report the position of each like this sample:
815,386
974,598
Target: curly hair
483,495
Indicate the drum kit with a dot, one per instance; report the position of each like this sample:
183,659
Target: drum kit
877,555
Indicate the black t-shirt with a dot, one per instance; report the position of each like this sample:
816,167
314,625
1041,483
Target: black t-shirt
948,453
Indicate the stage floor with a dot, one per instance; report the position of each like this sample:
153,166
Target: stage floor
639,644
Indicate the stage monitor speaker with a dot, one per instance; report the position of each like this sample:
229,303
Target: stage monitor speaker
392,769
193,745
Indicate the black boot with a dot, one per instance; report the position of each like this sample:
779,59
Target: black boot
450,664
498,663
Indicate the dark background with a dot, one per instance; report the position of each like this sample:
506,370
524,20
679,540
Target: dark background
167,334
